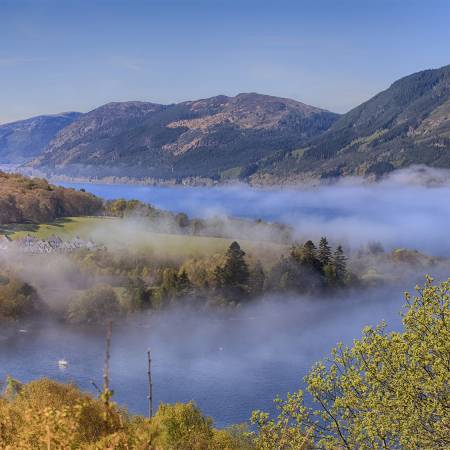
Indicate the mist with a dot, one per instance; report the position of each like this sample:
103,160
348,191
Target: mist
230,362
234,360
405,209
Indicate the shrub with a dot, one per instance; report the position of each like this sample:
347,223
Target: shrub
388,390
95,305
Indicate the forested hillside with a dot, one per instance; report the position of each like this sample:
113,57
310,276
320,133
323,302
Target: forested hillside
251,137
25,199
407,124
216,137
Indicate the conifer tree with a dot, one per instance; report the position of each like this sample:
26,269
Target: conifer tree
324,255
233,276
309,256
340,264
235,270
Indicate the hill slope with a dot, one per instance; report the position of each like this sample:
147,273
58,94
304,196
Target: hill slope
25,139
25,199
214,137
409,123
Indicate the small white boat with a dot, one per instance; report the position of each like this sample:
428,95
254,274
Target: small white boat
62,363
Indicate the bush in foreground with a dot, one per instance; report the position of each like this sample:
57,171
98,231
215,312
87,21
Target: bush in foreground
389,390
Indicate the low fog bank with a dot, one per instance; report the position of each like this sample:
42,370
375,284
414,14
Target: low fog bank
230,363
406,209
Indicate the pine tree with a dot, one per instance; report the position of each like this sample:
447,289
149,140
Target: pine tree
235,270
309,256
324,255
340,264
233,276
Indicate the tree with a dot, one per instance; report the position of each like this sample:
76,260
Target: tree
184,285
309,251
257,279
181,426
389,390
339,264
324,255
138,297
234,275
306,255
18,299
95,305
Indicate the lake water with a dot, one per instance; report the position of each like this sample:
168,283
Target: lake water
231,365
228,365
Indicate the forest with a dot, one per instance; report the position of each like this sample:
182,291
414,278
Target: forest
34,200
103,284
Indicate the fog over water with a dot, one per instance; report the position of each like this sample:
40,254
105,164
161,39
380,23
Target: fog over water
409,209
232,363
229,364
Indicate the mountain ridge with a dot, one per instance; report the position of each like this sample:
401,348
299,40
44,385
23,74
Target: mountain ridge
24,139
256,138
406,124
200,137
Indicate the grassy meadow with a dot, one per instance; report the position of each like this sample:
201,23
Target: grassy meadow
117,232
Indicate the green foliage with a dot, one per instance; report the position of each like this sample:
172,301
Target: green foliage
17,299
285,431
44,414
339,264
232,278
95,305
138,296
307,270
324,255
34,200
181,426
124,208
389,390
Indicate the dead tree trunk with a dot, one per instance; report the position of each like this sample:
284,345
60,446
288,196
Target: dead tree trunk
106,389
150,385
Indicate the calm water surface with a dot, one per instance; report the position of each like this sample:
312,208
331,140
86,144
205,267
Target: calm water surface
228,365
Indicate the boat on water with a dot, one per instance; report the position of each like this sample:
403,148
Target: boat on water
62,363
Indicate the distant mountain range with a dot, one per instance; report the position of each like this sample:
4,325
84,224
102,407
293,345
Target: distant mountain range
210,138
25,139
252,137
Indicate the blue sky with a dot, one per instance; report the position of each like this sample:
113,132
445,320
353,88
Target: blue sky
61,55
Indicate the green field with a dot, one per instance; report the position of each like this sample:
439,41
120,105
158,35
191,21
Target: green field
66,227
116,233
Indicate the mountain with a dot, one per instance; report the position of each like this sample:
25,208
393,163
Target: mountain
409,123
218,137
25,139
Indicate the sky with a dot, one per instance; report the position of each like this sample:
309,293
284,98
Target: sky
75,55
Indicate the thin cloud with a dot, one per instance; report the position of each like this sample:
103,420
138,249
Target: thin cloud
13,61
